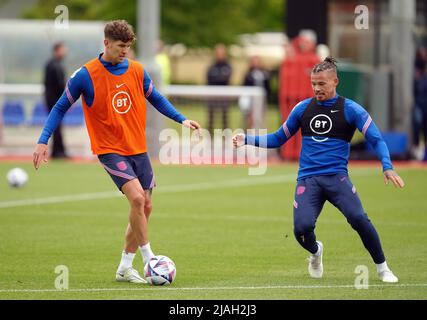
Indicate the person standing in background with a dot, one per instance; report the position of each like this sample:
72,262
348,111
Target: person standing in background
219,74
294,82
163,61
54,82
256,76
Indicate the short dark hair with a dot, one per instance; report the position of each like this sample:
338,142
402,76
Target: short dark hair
329,63
58,45
119,30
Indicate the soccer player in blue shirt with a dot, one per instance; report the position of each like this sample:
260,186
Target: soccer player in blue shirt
328,122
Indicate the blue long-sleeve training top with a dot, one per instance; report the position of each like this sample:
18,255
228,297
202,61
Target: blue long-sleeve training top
327,155
80,83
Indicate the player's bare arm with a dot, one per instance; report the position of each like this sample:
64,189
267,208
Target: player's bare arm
391,175
40,154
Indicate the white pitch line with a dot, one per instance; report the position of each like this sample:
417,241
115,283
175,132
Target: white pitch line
148,288
58,199
166,189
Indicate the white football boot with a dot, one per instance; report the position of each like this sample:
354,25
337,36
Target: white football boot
315,265
388,276
130,275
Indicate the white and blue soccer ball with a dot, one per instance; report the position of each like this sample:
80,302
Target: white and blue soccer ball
17,177
160,271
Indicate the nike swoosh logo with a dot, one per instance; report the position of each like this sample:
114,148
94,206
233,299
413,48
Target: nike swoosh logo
332,111
119,85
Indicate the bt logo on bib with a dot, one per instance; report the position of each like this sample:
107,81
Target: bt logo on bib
121,102
321,124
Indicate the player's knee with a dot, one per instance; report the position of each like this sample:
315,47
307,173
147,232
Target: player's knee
358,220
302,228
138,202
148,206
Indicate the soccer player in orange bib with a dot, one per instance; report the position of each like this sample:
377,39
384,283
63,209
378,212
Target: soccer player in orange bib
114,90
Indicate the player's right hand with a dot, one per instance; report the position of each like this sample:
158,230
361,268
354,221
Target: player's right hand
391,175
192,125
40,154
238,140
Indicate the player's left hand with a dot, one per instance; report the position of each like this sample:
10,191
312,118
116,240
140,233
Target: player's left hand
39,155
238,140
192,125
391,175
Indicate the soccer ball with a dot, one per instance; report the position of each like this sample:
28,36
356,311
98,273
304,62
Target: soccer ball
159,271
17,177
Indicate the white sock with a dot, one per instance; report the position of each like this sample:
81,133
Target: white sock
126,262
146,252
382,267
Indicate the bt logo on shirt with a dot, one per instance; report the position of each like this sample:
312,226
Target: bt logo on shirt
121,102
321,124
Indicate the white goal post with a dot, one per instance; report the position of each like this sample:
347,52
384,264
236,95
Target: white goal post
256,96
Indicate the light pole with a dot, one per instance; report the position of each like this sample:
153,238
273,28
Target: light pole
402,20
148,19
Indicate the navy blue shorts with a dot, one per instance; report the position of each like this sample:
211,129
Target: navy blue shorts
125,168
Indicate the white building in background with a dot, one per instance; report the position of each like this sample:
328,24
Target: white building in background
268,45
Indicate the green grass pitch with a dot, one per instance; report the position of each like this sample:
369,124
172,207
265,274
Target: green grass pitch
230,235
